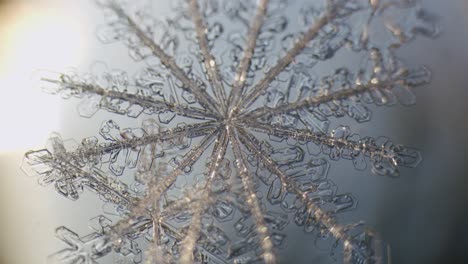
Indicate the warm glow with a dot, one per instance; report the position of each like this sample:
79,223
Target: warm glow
32,38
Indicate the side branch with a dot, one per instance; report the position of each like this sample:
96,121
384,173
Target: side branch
400,84
208,59
200,206
143,101
67,170
320,216
190,131
385,158
203,97
68,178
156,188
253,202
320,99
282,63
366,253
252,36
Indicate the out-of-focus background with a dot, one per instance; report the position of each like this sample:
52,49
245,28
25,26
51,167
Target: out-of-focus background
423,214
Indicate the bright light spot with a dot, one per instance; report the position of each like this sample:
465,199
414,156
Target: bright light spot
33,37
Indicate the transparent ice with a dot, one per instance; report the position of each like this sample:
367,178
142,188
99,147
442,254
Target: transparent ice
240,88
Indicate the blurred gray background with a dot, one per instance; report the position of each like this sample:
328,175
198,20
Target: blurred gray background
423,214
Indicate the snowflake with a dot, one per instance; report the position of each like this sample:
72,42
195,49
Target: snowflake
238,96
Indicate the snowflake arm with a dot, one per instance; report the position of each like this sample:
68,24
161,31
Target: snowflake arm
208,60
399,86
253,201
199,207
69,178
67,169
385,156
288,58
319,216
100,97
203,97
157,188
243,67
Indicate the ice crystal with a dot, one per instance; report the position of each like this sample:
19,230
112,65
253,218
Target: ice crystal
232,86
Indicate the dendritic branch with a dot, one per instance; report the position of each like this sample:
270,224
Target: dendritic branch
203,97
156,189
136,100
199,207
320,216
385,158
252,201
90,153
282,63
69,177
243,67
208,59
399,85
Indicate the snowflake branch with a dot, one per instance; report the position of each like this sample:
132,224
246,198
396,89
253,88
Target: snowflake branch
320,216
132,98
252,36
156,189
208,59
194,130
282,63
203,97
364,251
402,80
69,177
385,158
67,169
253,201
199,207
314,101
